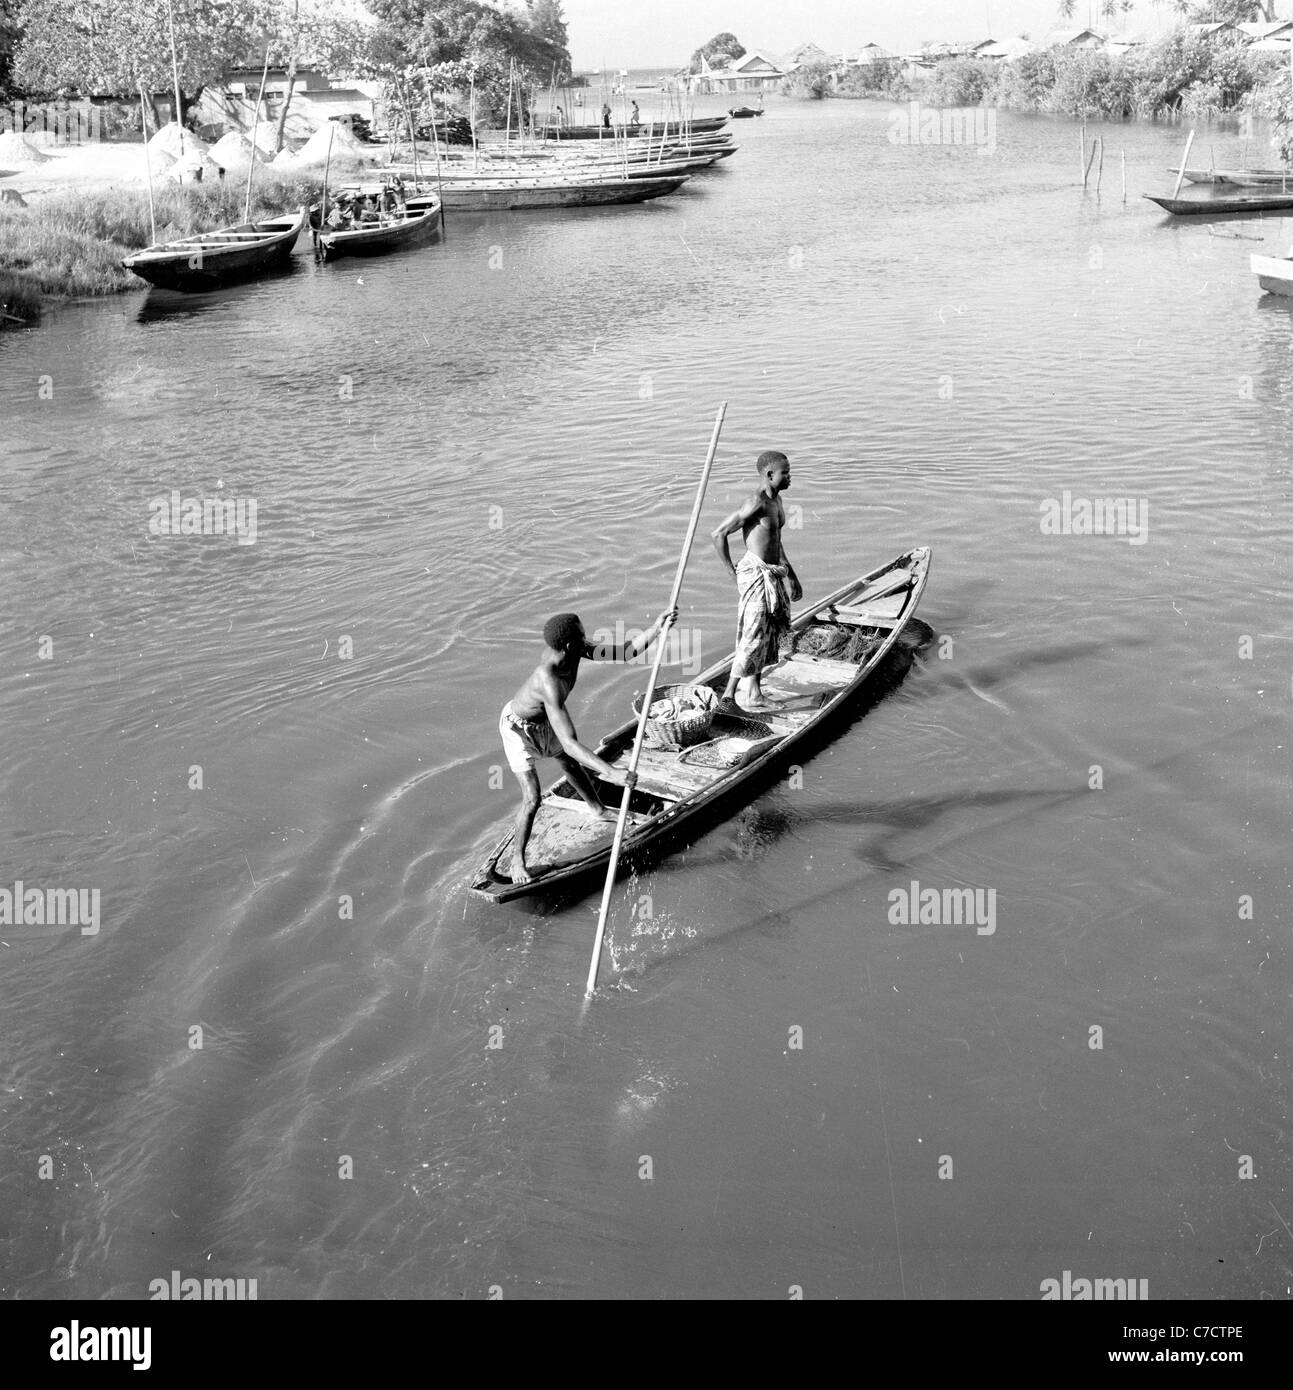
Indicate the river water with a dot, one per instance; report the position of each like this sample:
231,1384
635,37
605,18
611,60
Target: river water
234,1078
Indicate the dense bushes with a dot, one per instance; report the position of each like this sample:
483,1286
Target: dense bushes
1180,74
883,77
961,82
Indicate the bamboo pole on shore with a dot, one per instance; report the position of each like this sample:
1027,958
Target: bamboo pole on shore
148,163
255,126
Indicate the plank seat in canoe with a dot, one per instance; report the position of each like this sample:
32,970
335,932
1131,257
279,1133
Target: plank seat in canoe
663,774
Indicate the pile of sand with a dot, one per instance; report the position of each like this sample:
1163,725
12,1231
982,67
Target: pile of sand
345,145
168,139
185,170
233,149
15,152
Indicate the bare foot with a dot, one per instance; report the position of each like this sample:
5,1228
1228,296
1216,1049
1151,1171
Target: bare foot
520,874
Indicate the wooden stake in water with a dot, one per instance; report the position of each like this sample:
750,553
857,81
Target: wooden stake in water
646,705
1124,176
1180,173
255,126
148,163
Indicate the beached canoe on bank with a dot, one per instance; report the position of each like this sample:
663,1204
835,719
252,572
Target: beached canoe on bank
411,228
206,262
839,642
1216,206
509,195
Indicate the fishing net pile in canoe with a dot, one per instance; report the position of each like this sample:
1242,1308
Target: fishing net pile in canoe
831,640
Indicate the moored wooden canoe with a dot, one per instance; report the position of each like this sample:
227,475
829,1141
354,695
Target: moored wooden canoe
680,791
397,229
1213,207
501,195
208,261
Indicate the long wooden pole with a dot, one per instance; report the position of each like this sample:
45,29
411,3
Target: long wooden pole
175,74
255,125
327,169
148,163
1180,173
646,705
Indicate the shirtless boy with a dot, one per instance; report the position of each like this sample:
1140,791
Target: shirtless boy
536,724
766,580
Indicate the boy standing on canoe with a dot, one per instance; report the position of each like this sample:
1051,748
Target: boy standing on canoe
765,579
536,724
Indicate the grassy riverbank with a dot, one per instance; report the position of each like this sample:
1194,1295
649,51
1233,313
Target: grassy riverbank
69,244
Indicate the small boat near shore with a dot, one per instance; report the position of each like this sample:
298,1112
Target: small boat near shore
839,642
1239,178
1216,206
411,227
511,195
744,113
1274,274
210,260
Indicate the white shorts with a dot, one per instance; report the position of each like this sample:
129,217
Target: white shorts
524,740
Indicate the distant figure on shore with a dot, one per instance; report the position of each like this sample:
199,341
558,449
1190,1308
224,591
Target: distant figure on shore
606,115
559,118
765,579
635,118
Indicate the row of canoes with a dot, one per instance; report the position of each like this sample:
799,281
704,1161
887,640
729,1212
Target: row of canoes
198,263
636,170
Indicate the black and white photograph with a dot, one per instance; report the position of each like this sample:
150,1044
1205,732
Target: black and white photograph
646,656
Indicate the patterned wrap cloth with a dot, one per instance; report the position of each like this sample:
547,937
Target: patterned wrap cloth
763,613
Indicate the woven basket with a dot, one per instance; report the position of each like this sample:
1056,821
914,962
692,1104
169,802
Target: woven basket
686,729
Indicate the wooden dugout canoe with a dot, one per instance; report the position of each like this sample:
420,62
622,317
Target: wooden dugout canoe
1245,202
196,263
396,229
701,125
1240,178
502,195
679,791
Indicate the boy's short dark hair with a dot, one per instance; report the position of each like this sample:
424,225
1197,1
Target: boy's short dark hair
769,458
562,632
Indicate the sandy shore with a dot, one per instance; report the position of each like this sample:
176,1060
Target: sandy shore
79,168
